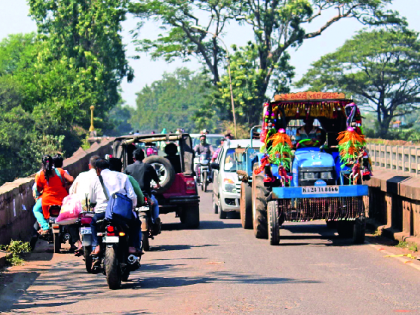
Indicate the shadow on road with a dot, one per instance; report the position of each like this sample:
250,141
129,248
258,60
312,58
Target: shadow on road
216,277
204,225
307,231
177,247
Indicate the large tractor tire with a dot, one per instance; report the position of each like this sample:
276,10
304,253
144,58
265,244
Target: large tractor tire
246,206
273,223
164,169
259,204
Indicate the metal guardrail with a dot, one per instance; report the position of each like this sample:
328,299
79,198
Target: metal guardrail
402,159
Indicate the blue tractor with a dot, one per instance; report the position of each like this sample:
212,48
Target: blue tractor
318,177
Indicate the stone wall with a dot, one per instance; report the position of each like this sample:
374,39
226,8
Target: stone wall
16,201
394,203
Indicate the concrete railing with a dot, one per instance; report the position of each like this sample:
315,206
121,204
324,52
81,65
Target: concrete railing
394,203
401,159
16,201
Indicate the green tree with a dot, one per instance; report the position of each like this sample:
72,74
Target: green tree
380,68
172,102
81,43
277,25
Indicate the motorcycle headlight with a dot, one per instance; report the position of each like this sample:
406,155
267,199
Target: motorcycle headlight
326,175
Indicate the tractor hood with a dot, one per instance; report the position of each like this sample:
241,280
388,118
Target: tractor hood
310,158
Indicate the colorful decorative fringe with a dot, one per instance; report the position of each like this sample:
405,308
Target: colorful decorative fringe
350,145
280,151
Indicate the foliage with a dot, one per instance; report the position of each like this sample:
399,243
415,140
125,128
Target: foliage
380,68
242,130
262,66
16,248
118,120
172,102
83,37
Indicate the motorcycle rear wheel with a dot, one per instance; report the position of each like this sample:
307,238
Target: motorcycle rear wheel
112,268
205,182
57,242
88,258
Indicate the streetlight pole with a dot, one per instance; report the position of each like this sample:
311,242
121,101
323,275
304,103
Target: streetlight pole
229,73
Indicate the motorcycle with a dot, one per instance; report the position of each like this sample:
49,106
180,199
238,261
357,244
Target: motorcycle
145,217
203,175
114,259
85,218
57,234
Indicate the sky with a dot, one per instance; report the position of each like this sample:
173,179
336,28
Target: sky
14,19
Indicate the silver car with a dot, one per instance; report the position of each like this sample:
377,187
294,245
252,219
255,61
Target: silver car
226,185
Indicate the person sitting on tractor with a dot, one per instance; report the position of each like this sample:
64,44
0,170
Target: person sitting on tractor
308,135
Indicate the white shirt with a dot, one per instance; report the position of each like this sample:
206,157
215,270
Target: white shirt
115,182
81,185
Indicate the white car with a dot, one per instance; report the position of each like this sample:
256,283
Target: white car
226,185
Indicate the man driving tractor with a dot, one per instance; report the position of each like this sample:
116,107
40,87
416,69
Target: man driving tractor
309,135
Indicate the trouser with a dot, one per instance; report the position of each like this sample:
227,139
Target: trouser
155,209
134,230
73,230
39,216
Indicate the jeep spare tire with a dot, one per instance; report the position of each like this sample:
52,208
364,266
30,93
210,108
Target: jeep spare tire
165,171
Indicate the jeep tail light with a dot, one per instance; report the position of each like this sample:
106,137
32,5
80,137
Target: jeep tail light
111,230
190,183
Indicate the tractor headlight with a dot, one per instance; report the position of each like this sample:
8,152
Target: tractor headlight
308,176
326,175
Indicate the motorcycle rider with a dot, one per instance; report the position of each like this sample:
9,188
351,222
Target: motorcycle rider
144,174
205,148
113,182
50,182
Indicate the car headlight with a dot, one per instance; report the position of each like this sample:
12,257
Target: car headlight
326,175
229,185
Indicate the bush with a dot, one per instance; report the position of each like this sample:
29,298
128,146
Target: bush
16,248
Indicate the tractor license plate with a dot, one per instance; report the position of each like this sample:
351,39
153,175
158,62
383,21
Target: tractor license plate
85,230
110,239
320,190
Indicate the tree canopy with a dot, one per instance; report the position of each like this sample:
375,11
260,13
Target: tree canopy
172,102
277,25
380,68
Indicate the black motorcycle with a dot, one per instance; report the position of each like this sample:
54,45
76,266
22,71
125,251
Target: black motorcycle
114,259
148,229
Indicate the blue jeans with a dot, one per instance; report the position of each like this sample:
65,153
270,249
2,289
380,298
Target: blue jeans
155,209
39,216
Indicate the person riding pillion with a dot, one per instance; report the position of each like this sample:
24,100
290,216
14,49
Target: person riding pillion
144,174
112,182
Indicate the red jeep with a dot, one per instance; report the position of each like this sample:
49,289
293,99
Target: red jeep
178,192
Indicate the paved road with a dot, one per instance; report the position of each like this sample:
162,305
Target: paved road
223,269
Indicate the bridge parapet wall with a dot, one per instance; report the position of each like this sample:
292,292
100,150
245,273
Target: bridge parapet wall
394,203
16,201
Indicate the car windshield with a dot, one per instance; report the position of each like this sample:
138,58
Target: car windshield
230,165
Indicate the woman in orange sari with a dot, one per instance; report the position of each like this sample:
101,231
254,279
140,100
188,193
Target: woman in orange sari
51,182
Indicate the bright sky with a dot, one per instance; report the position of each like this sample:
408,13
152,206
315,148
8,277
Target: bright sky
14,19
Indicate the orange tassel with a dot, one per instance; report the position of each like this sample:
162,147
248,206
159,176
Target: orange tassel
280,138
